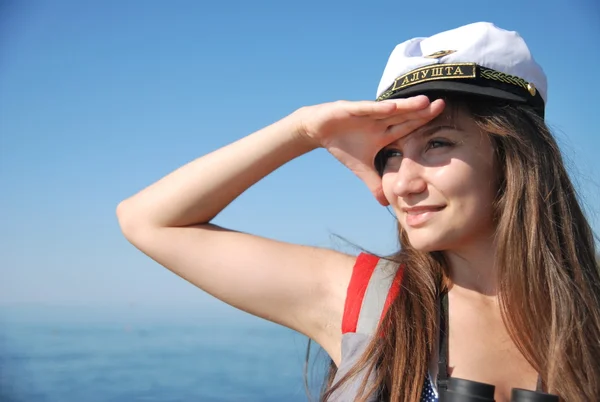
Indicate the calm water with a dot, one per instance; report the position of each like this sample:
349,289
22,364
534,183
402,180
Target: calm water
142,354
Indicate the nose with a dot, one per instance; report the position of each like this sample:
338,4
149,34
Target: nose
409,179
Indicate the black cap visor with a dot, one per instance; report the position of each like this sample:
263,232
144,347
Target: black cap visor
472,79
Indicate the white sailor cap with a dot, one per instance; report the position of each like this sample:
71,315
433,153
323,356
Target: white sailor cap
478,58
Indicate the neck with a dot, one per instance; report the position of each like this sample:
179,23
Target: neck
473,269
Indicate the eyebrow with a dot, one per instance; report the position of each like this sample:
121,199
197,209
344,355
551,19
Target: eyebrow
443,120
429,130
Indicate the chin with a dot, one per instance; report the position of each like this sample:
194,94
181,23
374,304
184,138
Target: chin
427,248
427,244
428,241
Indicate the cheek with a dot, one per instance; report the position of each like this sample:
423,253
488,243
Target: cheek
387,185
470,191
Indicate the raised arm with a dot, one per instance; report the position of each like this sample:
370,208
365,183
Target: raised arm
301,287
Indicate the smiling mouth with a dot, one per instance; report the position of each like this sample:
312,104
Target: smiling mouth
420,210
416,217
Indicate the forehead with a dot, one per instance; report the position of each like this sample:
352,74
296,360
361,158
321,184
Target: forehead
453,116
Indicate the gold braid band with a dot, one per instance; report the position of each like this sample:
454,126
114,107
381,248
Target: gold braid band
506,78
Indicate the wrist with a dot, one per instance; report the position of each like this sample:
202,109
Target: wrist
297,130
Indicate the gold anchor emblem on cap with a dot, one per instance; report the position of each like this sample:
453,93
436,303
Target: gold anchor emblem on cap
439,54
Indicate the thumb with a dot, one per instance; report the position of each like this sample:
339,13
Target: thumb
373,182
380,196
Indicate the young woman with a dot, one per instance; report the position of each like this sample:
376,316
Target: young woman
496,279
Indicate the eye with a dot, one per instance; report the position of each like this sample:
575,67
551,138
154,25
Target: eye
438,143
391,153
386,158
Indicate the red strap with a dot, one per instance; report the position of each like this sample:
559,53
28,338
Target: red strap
361,273
359,281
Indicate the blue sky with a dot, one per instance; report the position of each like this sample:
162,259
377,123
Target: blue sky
99,99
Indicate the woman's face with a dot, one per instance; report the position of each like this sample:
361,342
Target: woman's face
441,182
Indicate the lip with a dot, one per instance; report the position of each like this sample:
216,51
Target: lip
419,215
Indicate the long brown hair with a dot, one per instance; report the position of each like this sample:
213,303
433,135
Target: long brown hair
548,276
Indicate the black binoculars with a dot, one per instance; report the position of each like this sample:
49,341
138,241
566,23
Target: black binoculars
460,390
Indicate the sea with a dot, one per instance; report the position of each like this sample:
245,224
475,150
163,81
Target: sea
160,353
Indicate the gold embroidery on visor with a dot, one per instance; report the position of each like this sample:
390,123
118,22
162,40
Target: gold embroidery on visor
454,71
431,73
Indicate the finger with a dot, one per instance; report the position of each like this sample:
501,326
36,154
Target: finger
407,105
432,110
401,127
388,107
371,108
